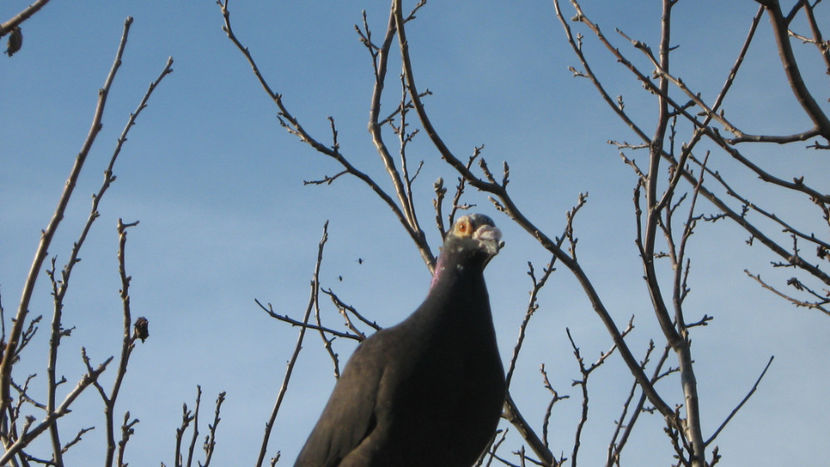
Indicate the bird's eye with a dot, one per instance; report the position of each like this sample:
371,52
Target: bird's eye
463,227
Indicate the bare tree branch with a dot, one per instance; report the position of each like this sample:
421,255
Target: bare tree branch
790,65
293,126
27,435
51,228
210,440
19,18
514,213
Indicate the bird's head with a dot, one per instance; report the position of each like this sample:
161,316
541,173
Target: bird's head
473,239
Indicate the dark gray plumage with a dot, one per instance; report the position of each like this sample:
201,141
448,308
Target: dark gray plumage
429,391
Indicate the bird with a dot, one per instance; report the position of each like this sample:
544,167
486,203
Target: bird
429,390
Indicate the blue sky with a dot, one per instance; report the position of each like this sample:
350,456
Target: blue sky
225,218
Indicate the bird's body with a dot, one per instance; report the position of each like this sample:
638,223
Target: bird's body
429,390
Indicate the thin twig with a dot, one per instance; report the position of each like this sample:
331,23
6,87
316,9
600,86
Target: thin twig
820,305
270,310
127,431
313,297
210,440
743,401
532,306
187,418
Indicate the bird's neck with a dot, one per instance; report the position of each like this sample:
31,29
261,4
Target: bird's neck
458,283
452,267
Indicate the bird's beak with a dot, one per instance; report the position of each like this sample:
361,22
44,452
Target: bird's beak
489,238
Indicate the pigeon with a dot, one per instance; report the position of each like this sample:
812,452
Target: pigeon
428,391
